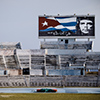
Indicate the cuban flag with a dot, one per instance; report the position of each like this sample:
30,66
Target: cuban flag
62,24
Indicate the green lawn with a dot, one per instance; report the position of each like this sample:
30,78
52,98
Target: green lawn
48,96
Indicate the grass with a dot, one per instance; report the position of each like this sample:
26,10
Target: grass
48,96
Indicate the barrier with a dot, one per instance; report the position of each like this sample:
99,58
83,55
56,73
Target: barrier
50,81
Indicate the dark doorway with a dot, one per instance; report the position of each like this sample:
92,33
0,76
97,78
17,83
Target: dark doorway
61,39
26,71
5,72
67,64
66,41
82,71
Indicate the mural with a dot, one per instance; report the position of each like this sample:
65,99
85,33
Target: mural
67,26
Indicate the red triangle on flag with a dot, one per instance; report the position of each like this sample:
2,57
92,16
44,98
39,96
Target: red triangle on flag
45,23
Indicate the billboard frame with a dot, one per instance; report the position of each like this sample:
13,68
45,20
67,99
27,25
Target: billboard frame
67,37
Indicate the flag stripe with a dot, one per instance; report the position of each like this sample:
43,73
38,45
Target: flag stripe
59,27
71,28
66,20
69,24
68,27
48,29
54,29
52,18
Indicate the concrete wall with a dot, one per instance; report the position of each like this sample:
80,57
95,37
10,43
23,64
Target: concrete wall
84,81
64,51
65,72
14,81
1,72
50,81
62,45
36,72
13,72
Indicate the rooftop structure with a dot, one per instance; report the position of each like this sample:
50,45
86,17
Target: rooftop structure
10,45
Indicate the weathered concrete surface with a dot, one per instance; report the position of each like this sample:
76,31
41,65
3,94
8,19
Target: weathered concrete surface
50,81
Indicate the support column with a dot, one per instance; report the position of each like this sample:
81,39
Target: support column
4,62
59,61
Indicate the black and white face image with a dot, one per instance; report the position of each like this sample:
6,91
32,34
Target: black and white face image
85,26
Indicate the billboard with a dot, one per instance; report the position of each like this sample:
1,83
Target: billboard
66,26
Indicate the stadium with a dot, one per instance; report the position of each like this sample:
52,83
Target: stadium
65,62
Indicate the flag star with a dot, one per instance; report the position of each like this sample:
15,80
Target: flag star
45,23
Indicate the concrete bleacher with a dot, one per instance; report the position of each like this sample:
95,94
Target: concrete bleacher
2,64
53,81
10,45
55,64
84,81
45,81
14,81
62,45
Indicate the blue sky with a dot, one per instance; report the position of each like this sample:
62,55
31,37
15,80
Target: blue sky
19,18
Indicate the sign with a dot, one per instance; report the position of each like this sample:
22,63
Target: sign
66,27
